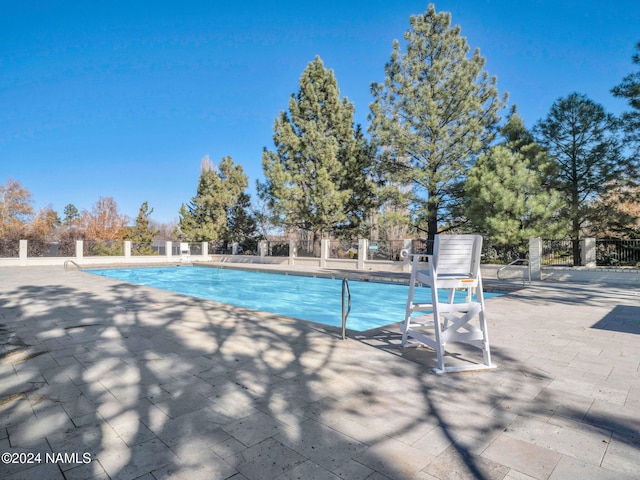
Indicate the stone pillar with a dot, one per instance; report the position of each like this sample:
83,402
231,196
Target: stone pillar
407,244
168,248
293,251
263,246
324,252
79,249
23,252
127,249
588,252
205,249
363,252
535,258
234,248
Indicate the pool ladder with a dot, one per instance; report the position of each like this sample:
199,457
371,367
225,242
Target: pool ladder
520,261
346,302
67,262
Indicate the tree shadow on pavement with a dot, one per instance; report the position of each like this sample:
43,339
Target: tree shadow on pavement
151,382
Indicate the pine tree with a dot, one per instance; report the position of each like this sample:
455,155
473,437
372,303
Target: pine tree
68,236
629,89
71,215
582,139
507,191
319,177
436,110
220,197
141,234
241,223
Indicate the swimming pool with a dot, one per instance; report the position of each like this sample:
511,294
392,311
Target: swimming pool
317,299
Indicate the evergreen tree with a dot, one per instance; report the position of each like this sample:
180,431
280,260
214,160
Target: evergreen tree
142,234
519,140
515,134
506,198
629,89
241,223
71,234
319,177
582,140
71,215
362,179
219,199
436,110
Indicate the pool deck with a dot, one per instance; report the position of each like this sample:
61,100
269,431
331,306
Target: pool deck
156,385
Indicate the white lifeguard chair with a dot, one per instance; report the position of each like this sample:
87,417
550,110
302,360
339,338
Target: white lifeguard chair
455,264
185,252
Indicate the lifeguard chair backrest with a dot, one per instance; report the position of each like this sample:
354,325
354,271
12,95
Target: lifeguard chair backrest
457,255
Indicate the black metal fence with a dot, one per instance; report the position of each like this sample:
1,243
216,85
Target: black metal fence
220,248
557,253
343,249
111,248
503,254
618,253
143,248
385,250
608,252
9,248
422,246
306,248
278,249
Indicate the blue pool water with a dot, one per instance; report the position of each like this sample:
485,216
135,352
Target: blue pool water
307,298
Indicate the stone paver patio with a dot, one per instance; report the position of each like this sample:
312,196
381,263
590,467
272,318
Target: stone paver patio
105,380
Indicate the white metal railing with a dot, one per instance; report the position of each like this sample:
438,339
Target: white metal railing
512,264
67,262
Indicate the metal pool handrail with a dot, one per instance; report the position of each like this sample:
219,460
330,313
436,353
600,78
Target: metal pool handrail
67,262
513,263
346,294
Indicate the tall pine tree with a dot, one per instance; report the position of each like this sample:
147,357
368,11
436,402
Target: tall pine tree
219,197
436,110
629,89
582,139
319,177
507,191
142,233
71,215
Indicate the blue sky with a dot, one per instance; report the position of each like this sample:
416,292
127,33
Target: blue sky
123,99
